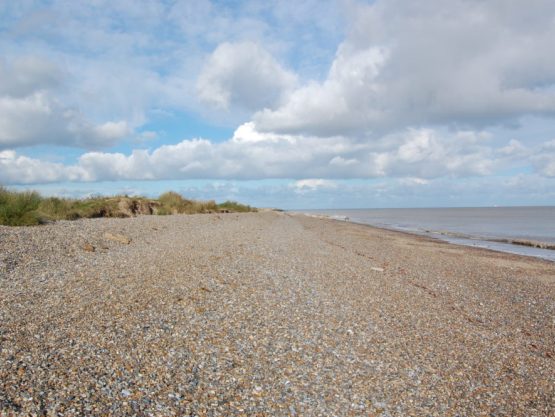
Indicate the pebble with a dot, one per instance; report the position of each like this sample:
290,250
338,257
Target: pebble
268,314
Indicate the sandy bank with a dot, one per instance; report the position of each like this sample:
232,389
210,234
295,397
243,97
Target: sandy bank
268,314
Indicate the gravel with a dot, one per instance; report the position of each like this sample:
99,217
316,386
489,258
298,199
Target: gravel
268,314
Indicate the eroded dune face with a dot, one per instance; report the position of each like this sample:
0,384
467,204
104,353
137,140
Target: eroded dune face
131,207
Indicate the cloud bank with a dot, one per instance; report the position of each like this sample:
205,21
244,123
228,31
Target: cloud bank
252,155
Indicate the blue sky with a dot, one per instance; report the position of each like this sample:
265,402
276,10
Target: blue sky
314,104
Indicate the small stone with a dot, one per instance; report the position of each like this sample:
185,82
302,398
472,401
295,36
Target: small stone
117,238
88,247
375,268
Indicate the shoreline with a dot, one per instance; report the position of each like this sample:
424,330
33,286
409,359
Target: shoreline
268,314
516,246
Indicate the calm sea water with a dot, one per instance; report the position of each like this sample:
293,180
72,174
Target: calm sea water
468,226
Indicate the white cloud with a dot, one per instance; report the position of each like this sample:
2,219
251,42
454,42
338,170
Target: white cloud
459,63
112,130
32,113
312,184
427,154
343,162
26,75
413,181
340,105
408,94
513,148
249,154
122,59
245,75
7,154
544,160
16,169
39,119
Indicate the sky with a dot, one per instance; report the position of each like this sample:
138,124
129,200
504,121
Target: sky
311,104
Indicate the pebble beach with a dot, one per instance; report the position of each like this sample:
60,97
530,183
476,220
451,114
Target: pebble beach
268,314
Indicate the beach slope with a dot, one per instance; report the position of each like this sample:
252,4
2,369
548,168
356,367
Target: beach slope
268,314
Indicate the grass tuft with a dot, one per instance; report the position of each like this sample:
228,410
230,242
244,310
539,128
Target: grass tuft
235,207
173,203
18,209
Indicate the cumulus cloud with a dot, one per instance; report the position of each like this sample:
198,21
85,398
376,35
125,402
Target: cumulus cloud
427,154
123,59
245,75
312,184
410,93
342,104
250,154
30,113
17,169
459,63
39,119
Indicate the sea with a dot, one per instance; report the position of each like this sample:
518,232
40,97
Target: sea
506,229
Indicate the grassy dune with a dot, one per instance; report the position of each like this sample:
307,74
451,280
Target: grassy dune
30,208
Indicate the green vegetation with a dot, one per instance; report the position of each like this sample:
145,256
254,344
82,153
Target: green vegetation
30,208
18,209
173,203
233,206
